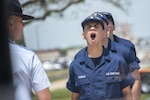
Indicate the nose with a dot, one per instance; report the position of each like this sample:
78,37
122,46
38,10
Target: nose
92,28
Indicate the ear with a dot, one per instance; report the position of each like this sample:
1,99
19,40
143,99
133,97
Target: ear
10,23
108,31
105,34
108,27
83,37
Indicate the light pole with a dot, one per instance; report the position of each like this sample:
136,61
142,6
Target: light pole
37,37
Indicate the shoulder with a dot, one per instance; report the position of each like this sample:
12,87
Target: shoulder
123,49
119,49
116,58
21,52
80,54
112,54
20,49
118,45
118,62
123,41
79,57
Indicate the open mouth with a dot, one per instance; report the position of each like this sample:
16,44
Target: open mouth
93,36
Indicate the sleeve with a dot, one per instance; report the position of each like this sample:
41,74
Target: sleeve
131,79
134,51
124,75
71,81
133,66
38,77
131,60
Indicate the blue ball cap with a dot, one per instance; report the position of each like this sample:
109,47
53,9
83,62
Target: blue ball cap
109,16
93,17
103,17
107,13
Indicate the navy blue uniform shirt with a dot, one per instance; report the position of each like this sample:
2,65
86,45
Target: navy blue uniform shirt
102,82
126,53
127,44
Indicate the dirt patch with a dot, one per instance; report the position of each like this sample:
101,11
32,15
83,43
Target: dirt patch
58,84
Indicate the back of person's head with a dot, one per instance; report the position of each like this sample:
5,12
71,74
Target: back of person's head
15,8
103,17
109,17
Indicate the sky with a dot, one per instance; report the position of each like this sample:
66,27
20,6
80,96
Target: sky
56,32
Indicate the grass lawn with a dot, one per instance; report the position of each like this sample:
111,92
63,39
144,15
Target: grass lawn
59,94
57,74
64,94
145,96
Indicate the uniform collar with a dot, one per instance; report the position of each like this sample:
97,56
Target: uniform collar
116,38
111,46
83,58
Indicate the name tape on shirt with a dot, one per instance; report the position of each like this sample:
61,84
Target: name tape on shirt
112,73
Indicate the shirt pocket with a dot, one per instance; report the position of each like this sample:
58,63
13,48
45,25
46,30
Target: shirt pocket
113,79
113,88
83,86
80,82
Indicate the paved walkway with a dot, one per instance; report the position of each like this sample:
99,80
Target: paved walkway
58,84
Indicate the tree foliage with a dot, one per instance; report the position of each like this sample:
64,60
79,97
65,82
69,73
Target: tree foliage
41,9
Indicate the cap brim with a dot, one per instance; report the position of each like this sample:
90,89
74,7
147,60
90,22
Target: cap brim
23,16
26,17
89,20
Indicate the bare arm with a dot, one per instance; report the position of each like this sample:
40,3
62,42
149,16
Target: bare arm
136,88
127,93
44,94
75,96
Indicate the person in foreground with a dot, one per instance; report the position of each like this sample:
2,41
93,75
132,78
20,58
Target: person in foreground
96,73
28,71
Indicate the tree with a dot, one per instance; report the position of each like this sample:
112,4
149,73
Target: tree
124,29
47,7
41,9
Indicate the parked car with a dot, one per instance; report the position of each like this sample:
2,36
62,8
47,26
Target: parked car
51,66
145,79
